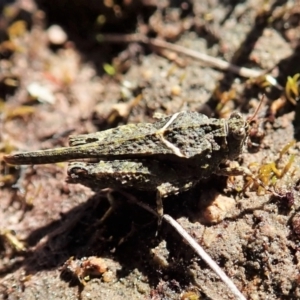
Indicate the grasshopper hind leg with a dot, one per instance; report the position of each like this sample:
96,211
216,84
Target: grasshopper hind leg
165,179
163,191
166,189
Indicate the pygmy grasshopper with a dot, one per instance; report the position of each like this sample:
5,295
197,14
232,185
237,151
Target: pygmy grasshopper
169,155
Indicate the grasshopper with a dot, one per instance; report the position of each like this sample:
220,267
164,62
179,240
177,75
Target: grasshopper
168,156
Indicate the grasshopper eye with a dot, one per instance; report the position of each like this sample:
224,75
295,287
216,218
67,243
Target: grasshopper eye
239,134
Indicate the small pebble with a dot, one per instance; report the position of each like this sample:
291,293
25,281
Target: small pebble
56,35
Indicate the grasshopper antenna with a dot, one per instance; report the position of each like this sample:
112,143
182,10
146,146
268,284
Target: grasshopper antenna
257,109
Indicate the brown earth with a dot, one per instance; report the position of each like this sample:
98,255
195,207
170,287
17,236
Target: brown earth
57,81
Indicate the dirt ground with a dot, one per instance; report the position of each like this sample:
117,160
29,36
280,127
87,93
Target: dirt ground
60,75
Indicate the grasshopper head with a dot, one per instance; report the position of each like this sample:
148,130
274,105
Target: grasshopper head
237,132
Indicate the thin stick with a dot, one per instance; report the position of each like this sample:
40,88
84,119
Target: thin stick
209,60
197,248
257,109
201,252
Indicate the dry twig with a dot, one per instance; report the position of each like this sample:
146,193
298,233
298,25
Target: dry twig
196,247
209,60
201,252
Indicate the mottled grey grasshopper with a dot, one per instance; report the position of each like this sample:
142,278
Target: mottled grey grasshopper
169,155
